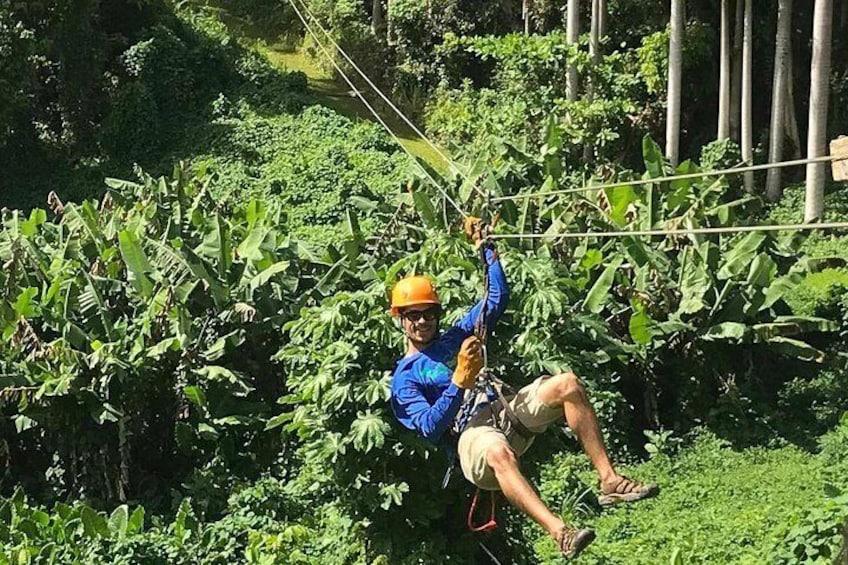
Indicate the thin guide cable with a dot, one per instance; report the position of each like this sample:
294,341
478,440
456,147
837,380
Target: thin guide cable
689,231
638,182
385,98
372,110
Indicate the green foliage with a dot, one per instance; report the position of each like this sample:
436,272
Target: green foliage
819,537
527,85
524,83
716,506
147,317
259,527
147,102
829,245
821,294
313,163
418,29
215,344
813,398
165,87
132,129
720,154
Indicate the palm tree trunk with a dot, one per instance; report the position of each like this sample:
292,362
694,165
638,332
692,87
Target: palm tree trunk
595,56
736,81
376,17
817,134
724,75
390,28
675,76
791,114
571,37
747,92
780,84
602,18
595,33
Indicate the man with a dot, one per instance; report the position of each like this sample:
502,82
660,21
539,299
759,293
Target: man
427,396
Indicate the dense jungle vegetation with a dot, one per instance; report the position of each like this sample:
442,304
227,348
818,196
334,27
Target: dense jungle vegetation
198,241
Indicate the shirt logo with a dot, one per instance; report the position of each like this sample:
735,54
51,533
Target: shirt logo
436,372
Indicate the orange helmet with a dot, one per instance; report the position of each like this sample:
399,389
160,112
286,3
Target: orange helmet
413,290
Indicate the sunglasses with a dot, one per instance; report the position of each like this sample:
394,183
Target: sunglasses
429,314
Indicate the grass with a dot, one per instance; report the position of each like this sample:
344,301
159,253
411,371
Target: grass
716,505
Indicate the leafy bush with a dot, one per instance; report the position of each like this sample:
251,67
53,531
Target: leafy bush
819,535
160,332
526,85
263,524
520,81
716,506
821,294
315,164
827,245
418,29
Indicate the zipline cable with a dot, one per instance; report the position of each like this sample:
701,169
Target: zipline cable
385,98
490,554
688,231
637,182
373,111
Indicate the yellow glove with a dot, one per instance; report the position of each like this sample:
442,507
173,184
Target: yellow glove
468,363
473,229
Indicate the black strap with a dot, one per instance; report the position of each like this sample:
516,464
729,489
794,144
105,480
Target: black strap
481,323
514,421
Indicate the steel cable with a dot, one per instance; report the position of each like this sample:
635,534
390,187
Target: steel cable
373,111
672,232
638,182
385,98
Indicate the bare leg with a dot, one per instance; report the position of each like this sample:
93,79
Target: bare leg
518,491
566,389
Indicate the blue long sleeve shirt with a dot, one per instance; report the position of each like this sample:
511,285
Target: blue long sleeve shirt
424,399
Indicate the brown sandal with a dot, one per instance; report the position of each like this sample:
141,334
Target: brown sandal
628,490
572,541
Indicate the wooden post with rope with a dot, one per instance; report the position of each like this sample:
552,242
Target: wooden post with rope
839,166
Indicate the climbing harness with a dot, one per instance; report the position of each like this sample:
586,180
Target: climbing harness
488,389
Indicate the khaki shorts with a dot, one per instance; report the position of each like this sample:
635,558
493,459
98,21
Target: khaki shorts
481,433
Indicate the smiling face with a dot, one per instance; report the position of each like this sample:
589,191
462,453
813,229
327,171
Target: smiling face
421,323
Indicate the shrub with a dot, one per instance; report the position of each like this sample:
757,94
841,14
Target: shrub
716,506
821,294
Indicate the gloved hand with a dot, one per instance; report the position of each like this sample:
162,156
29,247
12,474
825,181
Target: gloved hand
474,229
468,363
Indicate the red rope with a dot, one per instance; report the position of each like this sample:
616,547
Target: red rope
488,526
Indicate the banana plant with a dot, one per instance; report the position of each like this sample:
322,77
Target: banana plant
156,294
